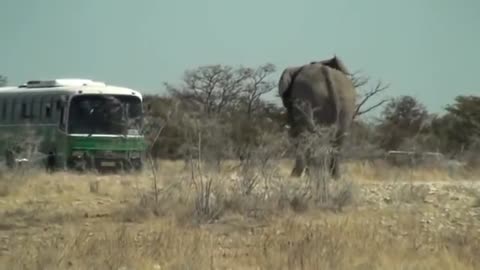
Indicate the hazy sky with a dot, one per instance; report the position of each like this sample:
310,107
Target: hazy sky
429,49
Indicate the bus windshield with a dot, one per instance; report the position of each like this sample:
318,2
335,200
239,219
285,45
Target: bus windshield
105,114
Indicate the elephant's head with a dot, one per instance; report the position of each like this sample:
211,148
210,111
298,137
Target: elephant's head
335,63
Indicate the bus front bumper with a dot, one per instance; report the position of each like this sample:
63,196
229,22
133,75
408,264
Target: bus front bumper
101,160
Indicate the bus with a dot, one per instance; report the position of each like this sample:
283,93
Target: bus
72,124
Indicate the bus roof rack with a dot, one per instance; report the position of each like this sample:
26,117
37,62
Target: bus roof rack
60,83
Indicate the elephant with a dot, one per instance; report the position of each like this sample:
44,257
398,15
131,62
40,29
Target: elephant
330,98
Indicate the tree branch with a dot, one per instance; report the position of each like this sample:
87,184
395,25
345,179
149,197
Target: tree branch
371,107
379,87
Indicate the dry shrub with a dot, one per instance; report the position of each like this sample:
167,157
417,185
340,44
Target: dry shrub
362,244
4,186
381,170
471,158
335,196
344,193
115,246
170,200
409,193
13,180
476,198
357,241
319,189
268,232
190,198
202,199
204,195
94,186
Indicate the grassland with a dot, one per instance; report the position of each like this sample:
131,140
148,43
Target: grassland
378,217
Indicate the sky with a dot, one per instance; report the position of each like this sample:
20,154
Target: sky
429,49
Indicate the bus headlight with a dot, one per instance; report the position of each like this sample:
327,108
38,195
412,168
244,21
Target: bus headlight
135,154
77,153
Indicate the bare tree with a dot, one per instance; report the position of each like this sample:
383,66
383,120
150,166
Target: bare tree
215,87
362,81
232,86
3,80
219,87
257,86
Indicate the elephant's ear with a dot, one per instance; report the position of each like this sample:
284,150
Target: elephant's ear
336,63
285,80
340,66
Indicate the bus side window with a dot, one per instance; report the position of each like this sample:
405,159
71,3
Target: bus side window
35,109
42,109
4,109
47,108
31,110
24,112
8,109
13,111
53,114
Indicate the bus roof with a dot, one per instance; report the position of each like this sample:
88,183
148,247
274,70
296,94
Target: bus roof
69,87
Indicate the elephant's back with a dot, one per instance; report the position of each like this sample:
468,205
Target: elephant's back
310,80
313,79
312,84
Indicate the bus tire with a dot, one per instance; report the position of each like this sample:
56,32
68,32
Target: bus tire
10,159
50,162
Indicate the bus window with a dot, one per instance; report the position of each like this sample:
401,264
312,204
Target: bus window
4,110
42,108
39,108
8,110
24,109
13,115
31,112
48,111
47,108
36,109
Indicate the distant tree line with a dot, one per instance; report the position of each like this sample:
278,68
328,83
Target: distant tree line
225,105
231,98
3,80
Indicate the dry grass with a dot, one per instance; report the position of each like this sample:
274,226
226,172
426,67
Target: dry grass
380,170
68,221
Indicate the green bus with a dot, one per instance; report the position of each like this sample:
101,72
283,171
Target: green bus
72,124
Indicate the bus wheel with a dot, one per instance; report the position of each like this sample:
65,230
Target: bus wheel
10,159
50,162
136,164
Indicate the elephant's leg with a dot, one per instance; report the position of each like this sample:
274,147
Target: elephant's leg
300,120
334,166
300,158
335,156
300,164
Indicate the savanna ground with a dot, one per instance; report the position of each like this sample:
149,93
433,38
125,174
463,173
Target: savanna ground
377,217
